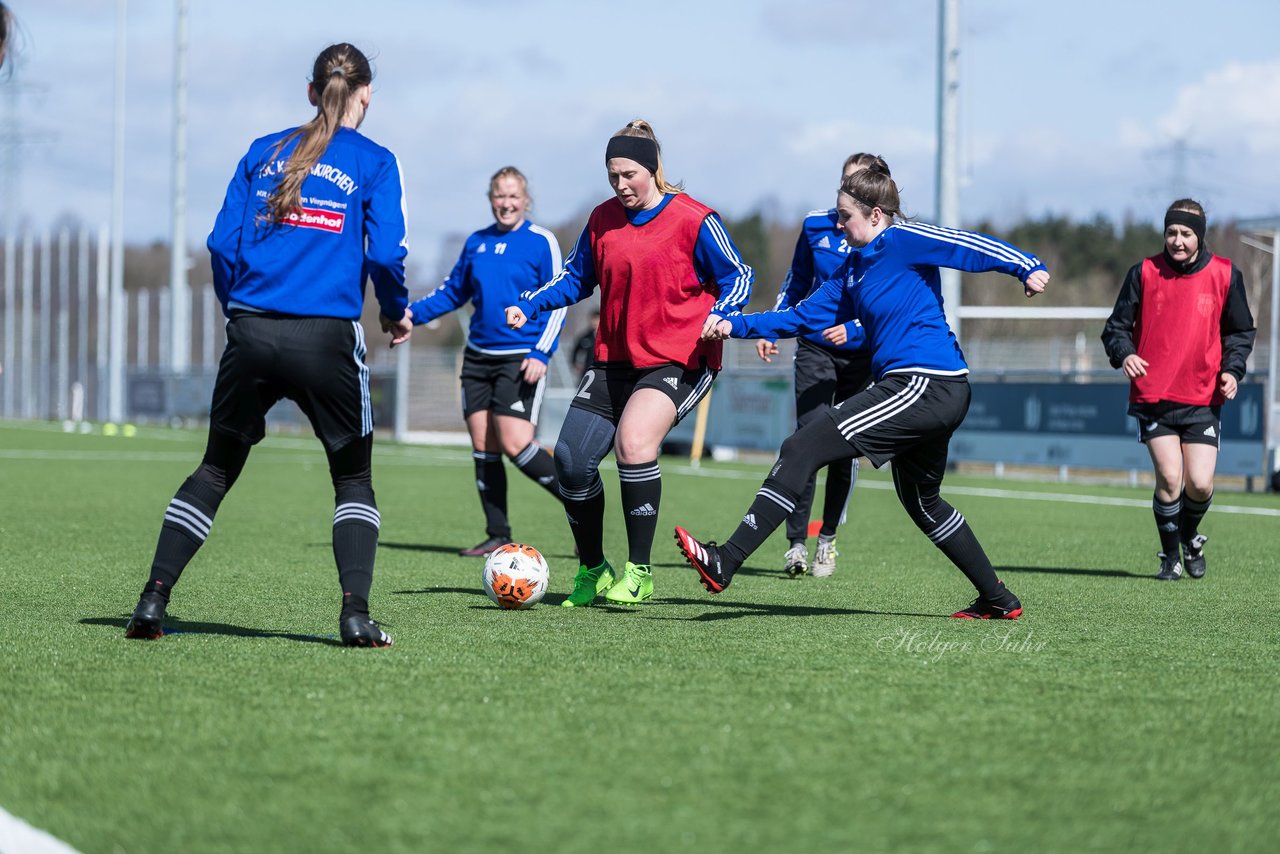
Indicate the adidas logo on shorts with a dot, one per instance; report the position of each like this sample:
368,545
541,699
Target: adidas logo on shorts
645,509
518,406
672,381
1209,431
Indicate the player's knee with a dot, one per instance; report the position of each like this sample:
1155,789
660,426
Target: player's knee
631,449
924,505
791,447
216,478
354,492
1199,487
572,468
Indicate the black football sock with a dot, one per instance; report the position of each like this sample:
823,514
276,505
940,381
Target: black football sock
1192,512
798,519
539,466
813,446
641,487
355,545
964,550
1167,525
187,521
491,484
841,476
585,511
772,504
949,531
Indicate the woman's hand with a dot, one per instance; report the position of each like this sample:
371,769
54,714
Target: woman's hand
1135,366
716,328
1035,283
765,349
515,317
1227,384
399,330
533,370
837,335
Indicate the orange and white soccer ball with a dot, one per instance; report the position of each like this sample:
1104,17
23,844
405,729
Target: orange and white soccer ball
516,576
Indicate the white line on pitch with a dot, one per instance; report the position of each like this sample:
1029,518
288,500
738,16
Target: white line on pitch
16,835
986,492
417,455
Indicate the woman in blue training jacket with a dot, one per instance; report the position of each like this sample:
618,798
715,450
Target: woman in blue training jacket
503,369
310,213
830,366
921,394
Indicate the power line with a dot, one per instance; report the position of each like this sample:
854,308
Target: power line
1180,153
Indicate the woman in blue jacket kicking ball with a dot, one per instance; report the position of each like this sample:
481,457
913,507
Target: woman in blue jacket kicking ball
921,394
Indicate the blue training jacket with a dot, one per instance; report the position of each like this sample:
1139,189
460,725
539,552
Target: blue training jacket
820,251
496,269
892,286
349,226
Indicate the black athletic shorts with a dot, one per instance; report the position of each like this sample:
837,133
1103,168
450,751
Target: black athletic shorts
317,362
495,382
907,418
825,376
607,386
1194,425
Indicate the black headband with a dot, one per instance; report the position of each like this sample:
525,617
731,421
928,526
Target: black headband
1193,221
860,200
638,148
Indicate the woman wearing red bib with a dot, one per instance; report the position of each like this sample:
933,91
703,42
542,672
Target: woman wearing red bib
663,263
1182,331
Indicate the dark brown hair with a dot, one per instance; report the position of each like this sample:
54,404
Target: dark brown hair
863,160
1188,205
339,72
872,187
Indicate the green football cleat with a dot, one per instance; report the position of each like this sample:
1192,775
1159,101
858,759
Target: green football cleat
588,584
635,586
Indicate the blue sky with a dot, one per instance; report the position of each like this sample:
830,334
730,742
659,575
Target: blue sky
1066,108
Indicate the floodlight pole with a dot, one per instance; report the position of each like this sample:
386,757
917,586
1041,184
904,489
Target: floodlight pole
1271,463
115,350
947,190
1273,357
179,296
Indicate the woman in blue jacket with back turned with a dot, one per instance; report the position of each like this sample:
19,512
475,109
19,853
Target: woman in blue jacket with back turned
920,396
310,213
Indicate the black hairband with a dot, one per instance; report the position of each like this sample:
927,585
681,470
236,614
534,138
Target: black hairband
638,148
1190,219
860,200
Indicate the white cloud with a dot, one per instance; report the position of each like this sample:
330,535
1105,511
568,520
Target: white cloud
1235,104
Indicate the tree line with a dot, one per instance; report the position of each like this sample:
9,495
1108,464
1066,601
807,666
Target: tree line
1088,260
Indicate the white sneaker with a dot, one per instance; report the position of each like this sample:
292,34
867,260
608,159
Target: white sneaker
796,561
824,562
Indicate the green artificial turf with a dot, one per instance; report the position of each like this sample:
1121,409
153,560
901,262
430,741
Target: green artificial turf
832,714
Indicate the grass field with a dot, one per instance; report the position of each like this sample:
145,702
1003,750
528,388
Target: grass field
814,715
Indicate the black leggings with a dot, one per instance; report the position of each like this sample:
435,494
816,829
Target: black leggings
350,466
